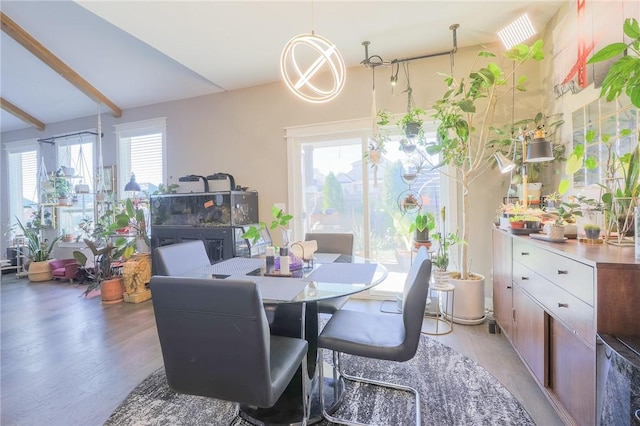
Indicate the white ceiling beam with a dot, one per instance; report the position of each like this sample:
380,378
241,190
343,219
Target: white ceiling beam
16,32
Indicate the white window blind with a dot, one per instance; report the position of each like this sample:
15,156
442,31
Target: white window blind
141,148
22,178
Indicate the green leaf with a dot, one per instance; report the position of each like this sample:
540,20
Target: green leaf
486,54
607,52
591,163
467,105
590,136
631,28
574,163
564,186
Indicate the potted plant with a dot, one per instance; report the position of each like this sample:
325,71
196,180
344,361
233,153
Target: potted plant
102,274
39,254
516,222
280,220
411,123
565,214
440,257
379,136
465,114
592,231
133,218
421,225
532,221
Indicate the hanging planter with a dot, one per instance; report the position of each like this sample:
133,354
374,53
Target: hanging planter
407,146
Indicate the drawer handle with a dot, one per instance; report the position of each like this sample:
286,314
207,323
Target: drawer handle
524,253
525,278
508,287
563,305
561,272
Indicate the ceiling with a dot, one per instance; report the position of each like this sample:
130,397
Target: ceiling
144,52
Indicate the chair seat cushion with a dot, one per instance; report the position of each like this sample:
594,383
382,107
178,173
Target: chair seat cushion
379,336
285,356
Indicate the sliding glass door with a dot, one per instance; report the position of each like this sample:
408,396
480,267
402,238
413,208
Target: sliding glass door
336,189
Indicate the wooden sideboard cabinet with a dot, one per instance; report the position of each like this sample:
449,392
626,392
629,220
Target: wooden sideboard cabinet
551,299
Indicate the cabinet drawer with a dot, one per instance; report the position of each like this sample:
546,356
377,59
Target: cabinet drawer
578,315
575,277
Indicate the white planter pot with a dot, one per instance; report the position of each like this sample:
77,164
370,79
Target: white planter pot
468,301
440,278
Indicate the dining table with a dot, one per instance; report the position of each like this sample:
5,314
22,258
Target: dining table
291,304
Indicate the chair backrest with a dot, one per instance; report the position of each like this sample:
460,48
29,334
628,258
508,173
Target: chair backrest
338,243
214,336
176,259
416,289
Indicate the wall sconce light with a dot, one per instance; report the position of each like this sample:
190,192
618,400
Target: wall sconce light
195,178
132,185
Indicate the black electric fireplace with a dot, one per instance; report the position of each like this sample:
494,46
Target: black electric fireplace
618,380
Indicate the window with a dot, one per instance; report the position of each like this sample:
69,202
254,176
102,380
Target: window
22,177
600,121
141,150
334,189
75,156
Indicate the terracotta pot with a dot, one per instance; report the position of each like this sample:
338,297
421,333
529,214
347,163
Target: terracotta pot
375,156
112,290
517,225
40,271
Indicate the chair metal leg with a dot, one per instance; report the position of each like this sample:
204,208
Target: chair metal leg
363,380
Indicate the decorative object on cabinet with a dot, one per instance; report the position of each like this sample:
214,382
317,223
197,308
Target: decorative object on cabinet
592,231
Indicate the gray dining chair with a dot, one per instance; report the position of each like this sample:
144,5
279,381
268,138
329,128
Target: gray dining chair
216,343
337,243
382,336
176,259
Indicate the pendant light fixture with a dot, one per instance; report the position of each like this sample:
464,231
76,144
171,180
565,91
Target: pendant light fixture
312,67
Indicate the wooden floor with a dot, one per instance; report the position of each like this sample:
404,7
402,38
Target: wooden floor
66,360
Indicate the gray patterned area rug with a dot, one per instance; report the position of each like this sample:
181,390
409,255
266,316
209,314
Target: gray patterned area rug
454,390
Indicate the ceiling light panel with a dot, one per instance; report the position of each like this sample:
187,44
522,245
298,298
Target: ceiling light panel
516,32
